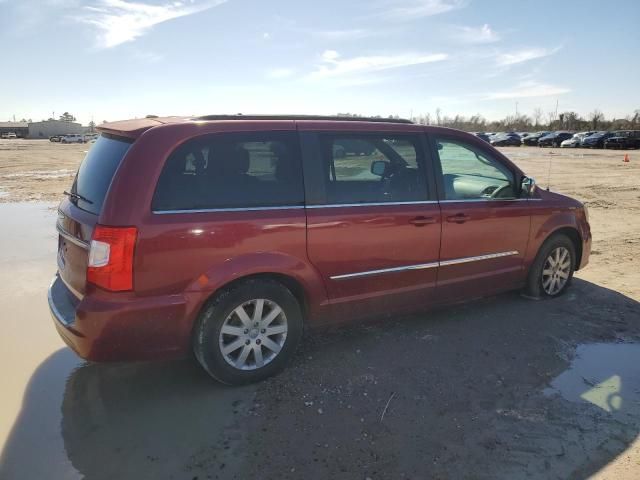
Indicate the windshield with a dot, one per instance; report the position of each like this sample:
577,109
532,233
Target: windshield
96,172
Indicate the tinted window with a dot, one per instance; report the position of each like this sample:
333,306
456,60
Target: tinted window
469,173
232,171
96,172
372,169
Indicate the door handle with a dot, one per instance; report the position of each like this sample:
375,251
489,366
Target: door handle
422,221
458,218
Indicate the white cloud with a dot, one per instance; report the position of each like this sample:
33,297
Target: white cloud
266,36
333,65
483,34
413,9
120,21
524,55
280,73
527,90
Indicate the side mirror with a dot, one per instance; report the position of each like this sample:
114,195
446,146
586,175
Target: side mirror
379,167
527,186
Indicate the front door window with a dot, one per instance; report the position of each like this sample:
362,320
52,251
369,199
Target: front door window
469,174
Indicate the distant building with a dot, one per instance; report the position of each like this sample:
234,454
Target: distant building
49,128
21,129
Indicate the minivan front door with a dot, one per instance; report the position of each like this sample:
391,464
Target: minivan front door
373,231
485,227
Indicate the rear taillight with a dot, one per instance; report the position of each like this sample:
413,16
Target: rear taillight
111,258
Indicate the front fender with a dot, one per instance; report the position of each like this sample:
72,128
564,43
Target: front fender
553,214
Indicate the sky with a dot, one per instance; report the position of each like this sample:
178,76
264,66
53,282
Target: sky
118,59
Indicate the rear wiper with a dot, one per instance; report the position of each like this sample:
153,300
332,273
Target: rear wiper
77,196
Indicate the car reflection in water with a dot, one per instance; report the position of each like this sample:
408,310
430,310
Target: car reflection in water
150,420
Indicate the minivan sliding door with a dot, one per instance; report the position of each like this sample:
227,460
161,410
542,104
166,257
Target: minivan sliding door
373,226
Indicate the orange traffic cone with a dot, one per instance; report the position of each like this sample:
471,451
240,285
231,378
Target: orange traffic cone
626,158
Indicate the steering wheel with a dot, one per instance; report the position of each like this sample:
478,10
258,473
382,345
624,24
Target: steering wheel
497,191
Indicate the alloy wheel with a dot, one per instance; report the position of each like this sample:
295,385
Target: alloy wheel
556,271
253,334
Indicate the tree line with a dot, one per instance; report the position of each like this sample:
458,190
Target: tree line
537,121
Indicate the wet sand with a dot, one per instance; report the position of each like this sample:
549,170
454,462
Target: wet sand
498,388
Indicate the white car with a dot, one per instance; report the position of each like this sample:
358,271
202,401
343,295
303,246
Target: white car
9,135
575,141
72,138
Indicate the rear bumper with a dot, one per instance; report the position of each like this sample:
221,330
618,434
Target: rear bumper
106,326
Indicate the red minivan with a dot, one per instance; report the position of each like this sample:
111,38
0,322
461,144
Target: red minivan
228,235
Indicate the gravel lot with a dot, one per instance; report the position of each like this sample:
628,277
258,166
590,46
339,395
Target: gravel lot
497,388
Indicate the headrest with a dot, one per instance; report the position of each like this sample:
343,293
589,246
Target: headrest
230,159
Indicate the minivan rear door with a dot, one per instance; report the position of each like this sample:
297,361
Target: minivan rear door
373,229
79,212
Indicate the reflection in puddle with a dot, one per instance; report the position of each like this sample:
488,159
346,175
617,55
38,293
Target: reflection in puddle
603,374
29,234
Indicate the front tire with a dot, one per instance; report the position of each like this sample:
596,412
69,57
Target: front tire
248,333
552,269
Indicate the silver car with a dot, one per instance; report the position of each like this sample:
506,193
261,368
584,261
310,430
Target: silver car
574,142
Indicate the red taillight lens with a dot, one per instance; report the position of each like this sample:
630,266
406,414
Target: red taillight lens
111,258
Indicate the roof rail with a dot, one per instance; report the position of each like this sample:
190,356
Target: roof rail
340,118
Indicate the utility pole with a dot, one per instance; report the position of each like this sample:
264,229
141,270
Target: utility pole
516,109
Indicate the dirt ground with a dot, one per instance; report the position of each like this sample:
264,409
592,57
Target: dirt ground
37,169
498,388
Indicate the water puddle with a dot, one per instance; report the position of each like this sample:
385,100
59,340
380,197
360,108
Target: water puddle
29,234
603,374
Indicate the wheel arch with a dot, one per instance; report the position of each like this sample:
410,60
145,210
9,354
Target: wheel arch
573,235
289,282
292,284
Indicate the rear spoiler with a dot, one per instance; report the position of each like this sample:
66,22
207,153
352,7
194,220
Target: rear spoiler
134,128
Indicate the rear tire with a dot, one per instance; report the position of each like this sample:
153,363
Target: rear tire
552,269
237,334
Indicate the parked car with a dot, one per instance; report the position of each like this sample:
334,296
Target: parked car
90,137
595,140
9,135
249,229
532,139
575,141
72,138
554,139
55,138
506,140
483,136
623,139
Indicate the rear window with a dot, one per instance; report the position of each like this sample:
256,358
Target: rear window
96,172
218,171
